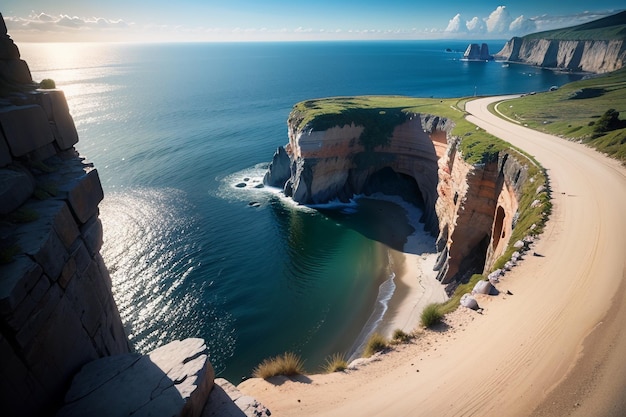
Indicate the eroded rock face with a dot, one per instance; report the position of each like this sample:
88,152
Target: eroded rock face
471,208
586,56
333,164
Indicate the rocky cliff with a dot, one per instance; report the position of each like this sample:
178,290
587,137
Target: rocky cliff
595,47
56,306
471,207
578,56
63,349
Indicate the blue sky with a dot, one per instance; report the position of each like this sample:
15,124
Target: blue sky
267,20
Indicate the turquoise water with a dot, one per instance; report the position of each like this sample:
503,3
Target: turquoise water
173,128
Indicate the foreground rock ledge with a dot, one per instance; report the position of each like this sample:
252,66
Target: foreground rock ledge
173,380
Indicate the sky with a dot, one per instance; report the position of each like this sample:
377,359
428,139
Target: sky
290,20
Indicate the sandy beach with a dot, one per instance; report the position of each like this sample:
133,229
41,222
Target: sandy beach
553,346
416,287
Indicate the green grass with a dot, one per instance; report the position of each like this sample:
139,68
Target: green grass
376,343
563,113
335,363
381,114
608,28
400,336
454,301
431,315
288,364
47,84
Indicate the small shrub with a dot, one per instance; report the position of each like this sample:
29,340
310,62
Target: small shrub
376,343
8,252
335,363
47,84
431,315
287,364
400,336
607,122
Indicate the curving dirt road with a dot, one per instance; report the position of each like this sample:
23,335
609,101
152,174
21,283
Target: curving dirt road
556,347
586,323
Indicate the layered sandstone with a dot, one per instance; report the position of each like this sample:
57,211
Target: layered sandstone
594,56
470,207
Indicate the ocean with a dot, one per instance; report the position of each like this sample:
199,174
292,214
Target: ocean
181,135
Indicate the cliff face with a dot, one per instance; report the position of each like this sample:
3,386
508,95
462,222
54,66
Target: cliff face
470,207
56,306
333,164
63,348
587,56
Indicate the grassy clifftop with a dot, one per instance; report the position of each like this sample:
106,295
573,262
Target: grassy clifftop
605,29
380,115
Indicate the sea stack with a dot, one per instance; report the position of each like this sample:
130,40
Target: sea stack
475,52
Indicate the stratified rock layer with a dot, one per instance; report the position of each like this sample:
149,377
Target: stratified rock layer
471,208
580,56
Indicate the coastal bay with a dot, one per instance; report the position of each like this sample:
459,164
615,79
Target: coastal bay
170,158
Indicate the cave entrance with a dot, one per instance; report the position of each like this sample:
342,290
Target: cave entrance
379,219
390,182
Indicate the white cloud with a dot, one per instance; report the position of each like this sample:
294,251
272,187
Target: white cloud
499,20
454,26
61,23
522,26
44,17
475,25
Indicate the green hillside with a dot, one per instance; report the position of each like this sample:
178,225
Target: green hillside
579,111
608,28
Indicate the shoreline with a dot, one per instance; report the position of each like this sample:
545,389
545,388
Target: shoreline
410,283
416,287
548,344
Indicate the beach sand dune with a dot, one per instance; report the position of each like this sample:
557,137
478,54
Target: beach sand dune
555,347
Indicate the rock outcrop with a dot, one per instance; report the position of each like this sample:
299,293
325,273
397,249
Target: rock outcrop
470,207
57,311
173,380
475,52
59,323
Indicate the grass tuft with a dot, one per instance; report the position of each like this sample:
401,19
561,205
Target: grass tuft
400,336
288,364
335,363
454,301
432,315
376,343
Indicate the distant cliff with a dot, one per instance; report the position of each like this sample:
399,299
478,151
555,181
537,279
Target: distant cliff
471,206
595,47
